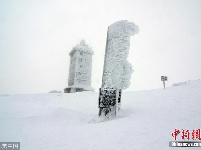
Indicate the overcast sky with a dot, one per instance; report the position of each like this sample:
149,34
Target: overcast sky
36,37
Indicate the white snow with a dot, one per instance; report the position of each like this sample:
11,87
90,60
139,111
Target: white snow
70,122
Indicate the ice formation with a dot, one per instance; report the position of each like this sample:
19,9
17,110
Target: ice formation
117,70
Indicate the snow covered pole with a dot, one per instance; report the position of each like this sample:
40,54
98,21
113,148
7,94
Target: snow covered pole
117,70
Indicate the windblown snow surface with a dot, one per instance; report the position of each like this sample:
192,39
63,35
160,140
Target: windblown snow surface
70,122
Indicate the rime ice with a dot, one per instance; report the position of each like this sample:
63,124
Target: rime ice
117,70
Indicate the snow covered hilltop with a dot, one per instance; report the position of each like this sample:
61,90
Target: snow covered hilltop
68,121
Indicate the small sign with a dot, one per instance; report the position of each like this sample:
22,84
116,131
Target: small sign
108,98
163,78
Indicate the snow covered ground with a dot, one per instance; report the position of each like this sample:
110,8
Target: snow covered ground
58,121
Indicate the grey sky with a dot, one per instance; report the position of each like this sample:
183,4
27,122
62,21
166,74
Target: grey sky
37,35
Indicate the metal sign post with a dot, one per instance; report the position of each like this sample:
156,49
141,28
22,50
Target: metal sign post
164,78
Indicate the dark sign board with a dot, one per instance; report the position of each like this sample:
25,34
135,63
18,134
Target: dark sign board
163,78
107,97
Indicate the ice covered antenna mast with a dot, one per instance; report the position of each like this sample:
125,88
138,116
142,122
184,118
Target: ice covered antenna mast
117,70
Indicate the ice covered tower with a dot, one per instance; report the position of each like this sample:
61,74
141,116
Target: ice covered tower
80,69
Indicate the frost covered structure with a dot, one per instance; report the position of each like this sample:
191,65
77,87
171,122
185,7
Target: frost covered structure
80,69
117,70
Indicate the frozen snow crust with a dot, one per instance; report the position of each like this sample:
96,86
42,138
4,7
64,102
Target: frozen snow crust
70,121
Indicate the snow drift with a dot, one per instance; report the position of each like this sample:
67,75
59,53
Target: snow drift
70,121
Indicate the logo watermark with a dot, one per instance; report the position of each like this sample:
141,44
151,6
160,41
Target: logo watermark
9,145
184,144
194,135
186,134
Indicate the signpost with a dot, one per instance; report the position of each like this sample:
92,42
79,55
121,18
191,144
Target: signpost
164,78
116,70
109,98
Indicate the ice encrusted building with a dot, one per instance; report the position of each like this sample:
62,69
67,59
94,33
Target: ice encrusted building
80,69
